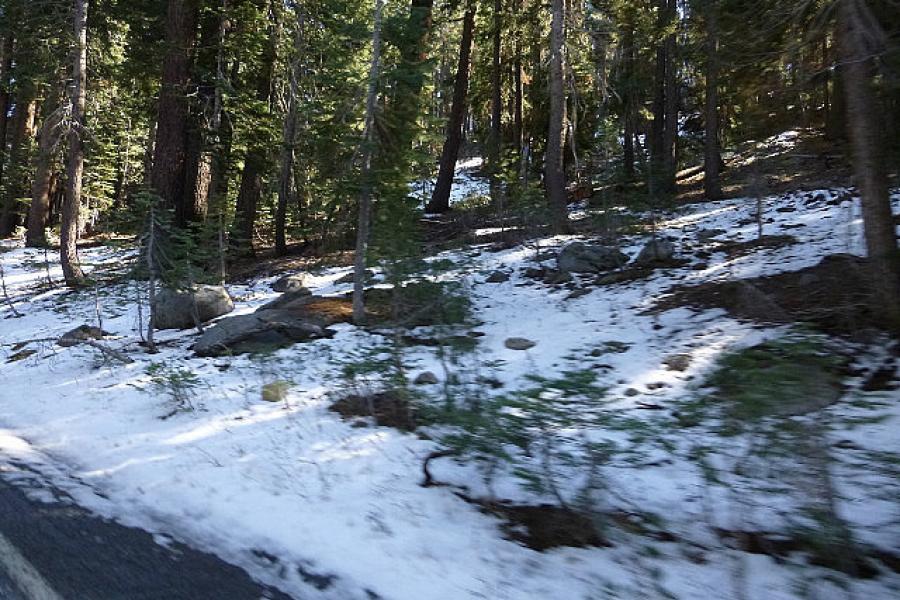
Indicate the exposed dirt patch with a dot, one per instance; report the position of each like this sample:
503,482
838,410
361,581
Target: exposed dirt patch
766,242
884,379
638,272
834,296
861,562
545,526
388,408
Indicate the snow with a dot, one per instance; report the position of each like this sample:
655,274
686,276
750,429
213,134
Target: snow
294,480
467,183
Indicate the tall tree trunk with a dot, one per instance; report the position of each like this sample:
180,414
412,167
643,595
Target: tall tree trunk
657,139
628,102
75,168
288,140
670,134
19,152
365,197
170,150
863,120
39,211
440,196
712,157
205,114
6,51
554,164
256,161
495,140
518,91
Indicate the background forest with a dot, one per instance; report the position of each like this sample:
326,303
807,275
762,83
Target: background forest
247,119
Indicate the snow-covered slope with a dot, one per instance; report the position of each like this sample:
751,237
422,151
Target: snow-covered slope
321,508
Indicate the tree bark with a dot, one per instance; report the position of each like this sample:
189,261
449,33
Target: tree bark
657,126
440,196
7,46
288,139
670,135
867,143
256,161
554,165
365,197
75,168
628,103
518,93
712,157
39,211
19,150
495,140
170,150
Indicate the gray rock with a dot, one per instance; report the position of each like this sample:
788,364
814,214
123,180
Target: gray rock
290,283
578,257
497,277
258,332
557,277
656,251
80,334
174,309
518,343
706,235
534,272
288,299
426,378
348,278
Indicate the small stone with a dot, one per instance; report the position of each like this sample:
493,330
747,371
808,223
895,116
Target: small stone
348,278
657,386
497,277
535,272
518,343
631,392
578,293
678,362
706,235
275,391
426,378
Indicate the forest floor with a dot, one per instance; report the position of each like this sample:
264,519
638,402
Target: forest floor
721,426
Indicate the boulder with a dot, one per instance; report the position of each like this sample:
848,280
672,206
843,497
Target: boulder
348,278
426,378
708,235
578,257
656,251
497,277
518,343
290,283
80,334
261,331
175,309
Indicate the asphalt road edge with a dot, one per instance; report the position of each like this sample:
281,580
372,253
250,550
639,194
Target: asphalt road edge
23,574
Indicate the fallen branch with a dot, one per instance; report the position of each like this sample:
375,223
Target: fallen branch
429,480
114,354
